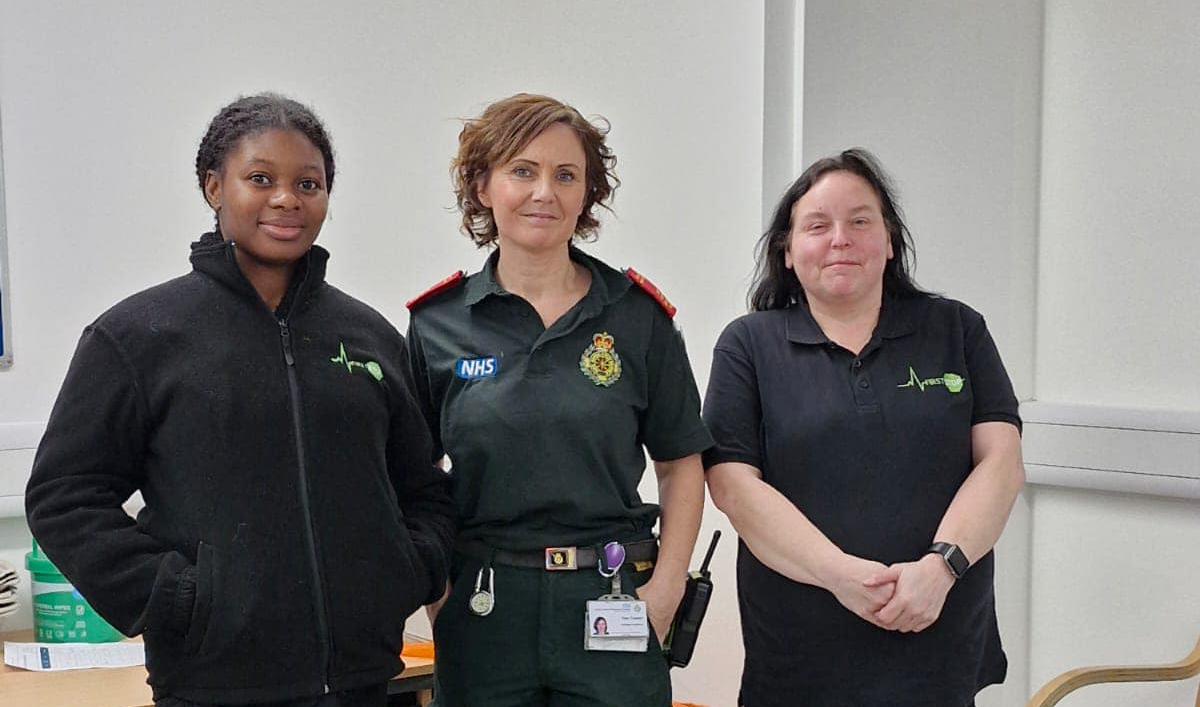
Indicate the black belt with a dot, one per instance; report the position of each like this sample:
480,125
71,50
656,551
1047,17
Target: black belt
641,553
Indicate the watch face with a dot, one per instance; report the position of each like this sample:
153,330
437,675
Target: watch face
957,559
481,603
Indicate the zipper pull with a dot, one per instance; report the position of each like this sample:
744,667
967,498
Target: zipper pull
286,335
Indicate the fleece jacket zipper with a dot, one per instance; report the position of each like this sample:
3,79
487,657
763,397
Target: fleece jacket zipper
318,592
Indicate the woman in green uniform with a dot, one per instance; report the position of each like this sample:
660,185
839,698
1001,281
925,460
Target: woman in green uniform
546,378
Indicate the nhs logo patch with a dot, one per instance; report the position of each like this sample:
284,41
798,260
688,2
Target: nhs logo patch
470,368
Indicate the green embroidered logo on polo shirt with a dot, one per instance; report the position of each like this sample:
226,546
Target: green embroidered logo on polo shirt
370,366
952,381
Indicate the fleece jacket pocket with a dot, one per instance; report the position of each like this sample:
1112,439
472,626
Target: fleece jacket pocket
207,576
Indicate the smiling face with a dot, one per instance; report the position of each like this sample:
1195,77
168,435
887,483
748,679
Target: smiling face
839,243
537,196
270,197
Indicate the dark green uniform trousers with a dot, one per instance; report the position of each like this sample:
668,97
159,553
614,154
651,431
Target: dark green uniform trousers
372,696
528,652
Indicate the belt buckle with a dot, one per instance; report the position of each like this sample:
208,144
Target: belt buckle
561,558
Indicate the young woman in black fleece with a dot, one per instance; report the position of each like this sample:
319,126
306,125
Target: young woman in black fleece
292,518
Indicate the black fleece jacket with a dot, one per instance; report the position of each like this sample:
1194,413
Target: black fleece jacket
292,519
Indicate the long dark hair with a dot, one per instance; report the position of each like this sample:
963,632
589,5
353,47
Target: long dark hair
775,285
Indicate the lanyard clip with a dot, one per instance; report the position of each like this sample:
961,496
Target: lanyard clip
610,561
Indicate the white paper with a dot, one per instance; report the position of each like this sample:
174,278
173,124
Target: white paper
74,656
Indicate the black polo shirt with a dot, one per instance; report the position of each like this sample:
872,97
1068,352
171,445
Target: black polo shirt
547,429
872,448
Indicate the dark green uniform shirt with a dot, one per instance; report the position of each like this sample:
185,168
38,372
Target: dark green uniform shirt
545,428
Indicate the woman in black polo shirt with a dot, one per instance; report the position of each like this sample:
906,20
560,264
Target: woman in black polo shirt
868,454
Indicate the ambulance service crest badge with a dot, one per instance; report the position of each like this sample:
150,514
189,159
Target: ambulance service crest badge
599,362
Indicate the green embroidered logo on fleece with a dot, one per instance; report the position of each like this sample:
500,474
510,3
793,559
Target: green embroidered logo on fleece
370,366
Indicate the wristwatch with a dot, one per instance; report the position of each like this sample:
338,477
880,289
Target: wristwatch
955,559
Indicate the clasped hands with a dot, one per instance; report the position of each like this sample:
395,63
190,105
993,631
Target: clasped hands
905,597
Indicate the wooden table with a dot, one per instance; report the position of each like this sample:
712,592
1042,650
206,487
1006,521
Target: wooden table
126,687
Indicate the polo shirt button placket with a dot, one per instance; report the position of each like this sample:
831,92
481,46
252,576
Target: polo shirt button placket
864,395
540,362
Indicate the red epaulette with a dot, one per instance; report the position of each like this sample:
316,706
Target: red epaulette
449,283
640,280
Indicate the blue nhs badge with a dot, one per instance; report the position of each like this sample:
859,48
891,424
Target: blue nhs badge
471,368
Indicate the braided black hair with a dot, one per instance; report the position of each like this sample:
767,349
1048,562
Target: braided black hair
251,115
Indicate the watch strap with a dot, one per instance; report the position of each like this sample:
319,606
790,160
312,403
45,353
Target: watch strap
955,559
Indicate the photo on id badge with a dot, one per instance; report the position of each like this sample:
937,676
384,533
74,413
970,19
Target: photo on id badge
616,625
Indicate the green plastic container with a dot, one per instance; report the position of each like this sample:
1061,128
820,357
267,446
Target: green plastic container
60,613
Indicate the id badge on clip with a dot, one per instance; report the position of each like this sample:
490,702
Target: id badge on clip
615,621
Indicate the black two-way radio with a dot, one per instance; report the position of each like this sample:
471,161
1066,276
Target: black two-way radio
685,629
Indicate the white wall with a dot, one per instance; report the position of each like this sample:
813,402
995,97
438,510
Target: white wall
103,110
103,105
1115,579
1118,293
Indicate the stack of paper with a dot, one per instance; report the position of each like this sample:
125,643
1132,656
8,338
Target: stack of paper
8,590
73,656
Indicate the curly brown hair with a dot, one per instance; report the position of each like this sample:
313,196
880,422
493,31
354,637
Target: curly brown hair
504,129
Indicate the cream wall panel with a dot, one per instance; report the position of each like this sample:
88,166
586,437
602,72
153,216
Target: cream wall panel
1114,580
1118,294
